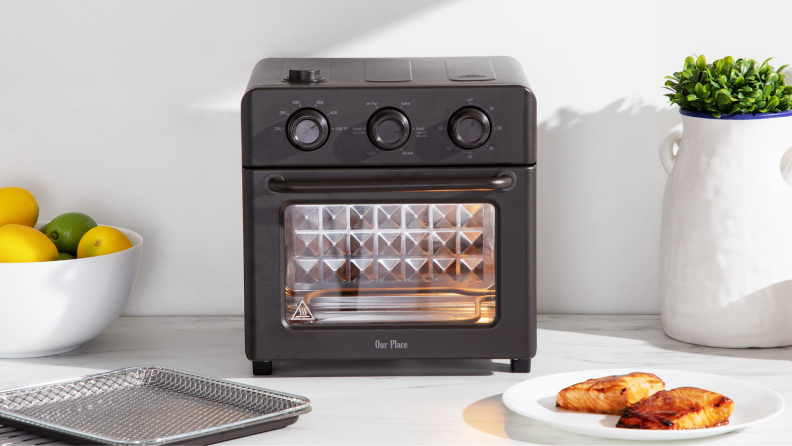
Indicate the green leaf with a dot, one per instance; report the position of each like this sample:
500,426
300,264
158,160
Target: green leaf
723,98
689,63
691,97
670,77
670,83
701,63
767,90
734,109
719,66
788,89
699,90
765,62
772,102
781,68
716,114
727,64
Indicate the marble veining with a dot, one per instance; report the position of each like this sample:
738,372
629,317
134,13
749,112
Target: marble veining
417,401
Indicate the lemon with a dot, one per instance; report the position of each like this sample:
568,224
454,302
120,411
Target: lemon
66,230
18,206
102,240
65,256
24,244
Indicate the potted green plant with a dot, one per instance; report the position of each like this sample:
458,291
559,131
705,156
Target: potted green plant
729,87
726,232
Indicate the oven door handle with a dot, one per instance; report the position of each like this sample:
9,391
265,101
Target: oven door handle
504,181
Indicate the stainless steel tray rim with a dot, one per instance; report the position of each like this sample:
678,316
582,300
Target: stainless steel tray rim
302,407
153,441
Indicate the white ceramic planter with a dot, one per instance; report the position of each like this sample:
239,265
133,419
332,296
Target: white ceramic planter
726,235
54,307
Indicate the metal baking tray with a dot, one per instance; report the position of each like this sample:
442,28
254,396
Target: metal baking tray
148,406
10,436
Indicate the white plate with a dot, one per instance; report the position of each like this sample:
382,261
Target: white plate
535,398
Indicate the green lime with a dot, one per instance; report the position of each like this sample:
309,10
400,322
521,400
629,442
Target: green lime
65,256
43,229
66,230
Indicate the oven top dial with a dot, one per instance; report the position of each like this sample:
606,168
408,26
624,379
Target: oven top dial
389,129
307,129
469,128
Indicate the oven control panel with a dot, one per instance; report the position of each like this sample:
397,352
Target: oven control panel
315,126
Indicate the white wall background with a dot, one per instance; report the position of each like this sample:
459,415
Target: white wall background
129,111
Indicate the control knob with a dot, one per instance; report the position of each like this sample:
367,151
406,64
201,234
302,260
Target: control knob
307,129
469,128
304,74
389,129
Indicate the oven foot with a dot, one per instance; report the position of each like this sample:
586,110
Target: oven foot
264,368
520,365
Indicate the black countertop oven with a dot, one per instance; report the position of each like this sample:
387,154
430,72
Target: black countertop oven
389,210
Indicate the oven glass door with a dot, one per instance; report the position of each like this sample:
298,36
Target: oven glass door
389,263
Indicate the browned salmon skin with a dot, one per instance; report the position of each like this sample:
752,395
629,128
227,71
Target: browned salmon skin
611,394
681,408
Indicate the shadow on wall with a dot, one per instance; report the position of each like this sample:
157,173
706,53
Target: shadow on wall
600,189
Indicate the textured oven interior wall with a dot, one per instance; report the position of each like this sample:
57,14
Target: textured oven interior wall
129,111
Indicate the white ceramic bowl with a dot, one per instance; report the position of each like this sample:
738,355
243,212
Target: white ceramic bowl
55,307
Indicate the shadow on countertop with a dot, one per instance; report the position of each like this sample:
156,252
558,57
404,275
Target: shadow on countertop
649,329
491,416
214,346
388,367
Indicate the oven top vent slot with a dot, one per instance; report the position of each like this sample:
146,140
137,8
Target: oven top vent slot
466,69
388,70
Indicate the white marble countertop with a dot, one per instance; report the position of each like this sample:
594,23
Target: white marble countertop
416,402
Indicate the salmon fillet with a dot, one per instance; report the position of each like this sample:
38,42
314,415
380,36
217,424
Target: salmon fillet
682,408
611,394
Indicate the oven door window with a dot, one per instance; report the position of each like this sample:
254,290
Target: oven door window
424,263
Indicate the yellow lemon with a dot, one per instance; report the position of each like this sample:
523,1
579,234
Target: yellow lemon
18,206
102,240
23,244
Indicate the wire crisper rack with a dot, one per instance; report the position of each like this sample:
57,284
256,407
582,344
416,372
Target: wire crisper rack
147,406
